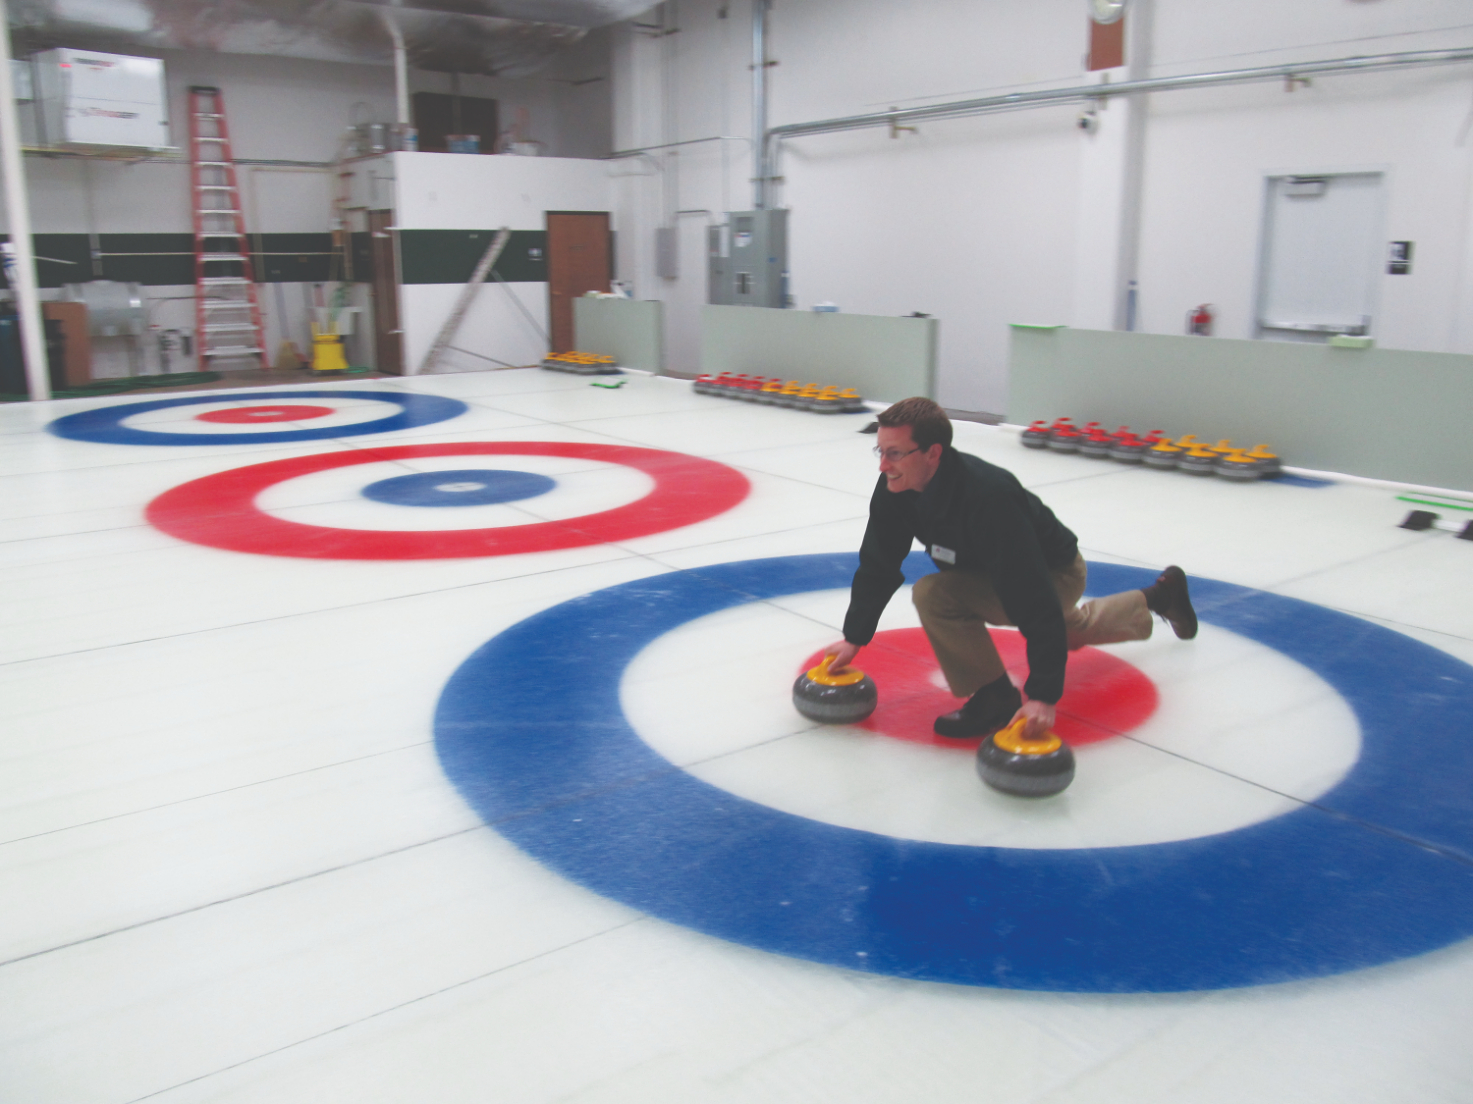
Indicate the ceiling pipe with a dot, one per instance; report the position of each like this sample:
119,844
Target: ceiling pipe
22,267
1093,92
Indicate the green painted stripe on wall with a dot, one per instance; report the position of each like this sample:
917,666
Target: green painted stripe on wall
168,259
450,256
426,257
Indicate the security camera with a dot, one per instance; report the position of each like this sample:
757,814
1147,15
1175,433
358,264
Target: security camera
1087,122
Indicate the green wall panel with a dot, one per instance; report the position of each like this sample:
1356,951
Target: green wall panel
1381,413
886,358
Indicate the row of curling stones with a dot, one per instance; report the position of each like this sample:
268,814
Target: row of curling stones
1154,450
582,364
778,392
1005,761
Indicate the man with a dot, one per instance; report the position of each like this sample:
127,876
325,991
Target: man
1004,559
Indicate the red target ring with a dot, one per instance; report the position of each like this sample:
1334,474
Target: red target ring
246,415
1104,696
220,511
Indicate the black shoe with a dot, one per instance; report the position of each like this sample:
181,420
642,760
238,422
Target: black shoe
1168,597
986,711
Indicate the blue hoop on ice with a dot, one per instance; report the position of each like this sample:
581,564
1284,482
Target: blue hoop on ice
104,425
1380,868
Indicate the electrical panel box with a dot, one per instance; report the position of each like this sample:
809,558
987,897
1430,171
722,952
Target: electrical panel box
748,260
86,99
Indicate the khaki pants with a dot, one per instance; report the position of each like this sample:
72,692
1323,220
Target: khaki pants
957,606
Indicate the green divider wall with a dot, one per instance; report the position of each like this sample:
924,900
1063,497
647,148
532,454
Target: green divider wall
885,358
632,330
1379,413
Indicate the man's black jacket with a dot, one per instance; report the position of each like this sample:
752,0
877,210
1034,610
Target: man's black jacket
983,515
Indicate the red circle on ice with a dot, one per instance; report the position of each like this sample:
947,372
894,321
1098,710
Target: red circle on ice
241,415
1104,696
220,510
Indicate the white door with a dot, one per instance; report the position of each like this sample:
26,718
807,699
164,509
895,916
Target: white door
1321,255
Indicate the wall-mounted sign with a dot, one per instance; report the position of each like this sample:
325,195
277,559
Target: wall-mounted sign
1399,258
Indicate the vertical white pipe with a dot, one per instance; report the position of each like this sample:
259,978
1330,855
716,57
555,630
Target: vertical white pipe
401,68
1132,186
18,217
759,104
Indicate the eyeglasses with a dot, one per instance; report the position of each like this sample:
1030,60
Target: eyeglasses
893,455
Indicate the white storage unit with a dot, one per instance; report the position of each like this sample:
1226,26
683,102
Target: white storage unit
88,99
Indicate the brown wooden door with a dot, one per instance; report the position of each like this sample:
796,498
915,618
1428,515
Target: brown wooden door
388,343
577,261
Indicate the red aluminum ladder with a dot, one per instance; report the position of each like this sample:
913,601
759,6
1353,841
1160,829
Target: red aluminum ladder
226,310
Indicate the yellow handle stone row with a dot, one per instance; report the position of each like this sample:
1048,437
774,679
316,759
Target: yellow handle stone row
579,358
1223,450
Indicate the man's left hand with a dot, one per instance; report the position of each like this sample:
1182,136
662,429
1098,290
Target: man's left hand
1038,718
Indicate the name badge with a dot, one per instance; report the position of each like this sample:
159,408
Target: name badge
942,555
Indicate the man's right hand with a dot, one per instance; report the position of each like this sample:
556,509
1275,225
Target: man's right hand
843,653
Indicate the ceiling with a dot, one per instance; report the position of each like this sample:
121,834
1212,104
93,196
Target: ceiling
508,38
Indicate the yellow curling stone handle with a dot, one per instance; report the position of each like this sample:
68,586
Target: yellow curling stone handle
1012,742
820,674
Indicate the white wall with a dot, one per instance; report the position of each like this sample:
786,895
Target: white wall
1016,217
1207,161
446,191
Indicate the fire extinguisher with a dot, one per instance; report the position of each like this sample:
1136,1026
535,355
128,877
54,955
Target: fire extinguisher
1199,321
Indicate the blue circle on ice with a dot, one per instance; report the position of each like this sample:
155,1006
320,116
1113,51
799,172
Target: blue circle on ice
466,487
1380,868
104,425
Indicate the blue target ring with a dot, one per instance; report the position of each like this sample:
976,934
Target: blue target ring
531,731
466,487
105,424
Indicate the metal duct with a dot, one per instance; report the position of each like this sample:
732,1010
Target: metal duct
509,38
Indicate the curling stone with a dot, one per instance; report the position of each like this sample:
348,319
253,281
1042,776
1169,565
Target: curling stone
829,401
1197,460
1097,446
1128,448
1238,466
846,697
1025,768
1267,461
1036,435
1164,456
1064,439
